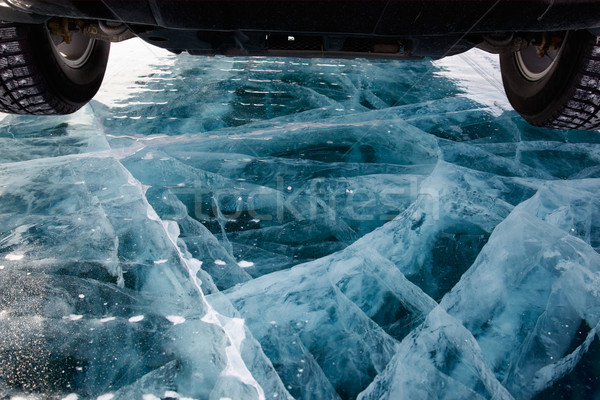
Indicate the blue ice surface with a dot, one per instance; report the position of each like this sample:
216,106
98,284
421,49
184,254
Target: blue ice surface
258,228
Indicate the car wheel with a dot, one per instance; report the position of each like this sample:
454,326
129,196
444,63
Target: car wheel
41,74
561,88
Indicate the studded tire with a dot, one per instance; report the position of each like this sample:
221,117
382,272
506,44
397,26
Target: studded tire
40,77
563,93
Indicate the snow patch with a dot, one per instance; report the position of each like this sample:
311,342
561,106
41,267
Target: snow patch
245,264
175,319
136,318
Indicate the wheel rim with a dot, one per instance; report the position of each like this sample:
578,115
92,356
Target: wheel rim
75,53
532,66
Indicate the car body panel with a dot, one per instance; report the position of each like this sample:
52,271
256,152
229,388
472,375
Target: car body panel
365,17
322,28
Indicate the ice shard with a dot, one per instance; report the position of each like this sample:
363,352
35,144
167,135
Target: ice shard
354,300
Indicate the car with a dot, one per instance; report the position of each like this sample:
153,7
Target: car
53,53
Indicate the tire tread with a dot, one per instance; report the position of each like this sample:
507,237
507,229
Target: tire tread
23,86
582,110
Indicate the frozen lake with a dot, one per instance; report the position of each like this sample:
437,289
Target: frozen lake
261,228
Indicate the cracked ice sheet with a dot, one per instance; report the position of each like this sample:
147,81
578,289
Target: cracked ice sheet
529,304
86,293
344,223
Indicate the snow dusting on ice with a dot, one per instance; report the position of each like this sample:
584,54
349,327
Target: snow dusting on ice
245,264
176,319
261,228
